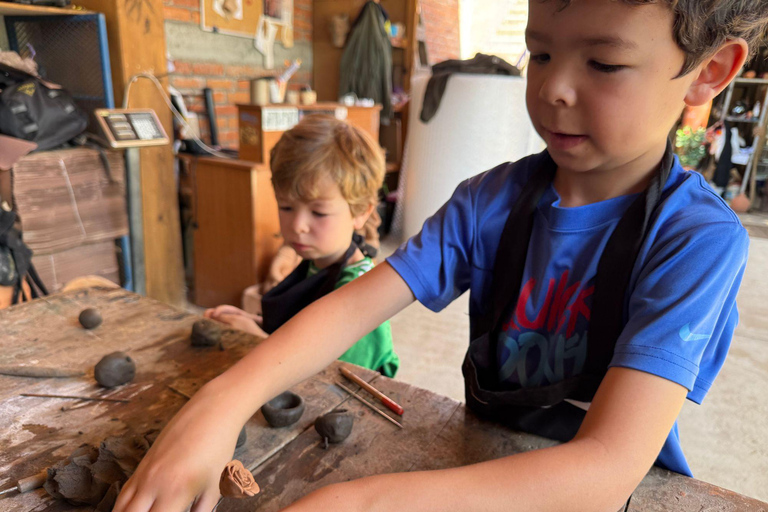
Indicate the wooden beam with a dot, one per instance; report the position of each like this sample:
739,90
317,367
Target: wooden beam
136,34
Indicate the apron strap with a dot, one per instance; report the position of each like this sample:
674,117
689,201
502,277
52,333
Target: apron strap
614,271
298,291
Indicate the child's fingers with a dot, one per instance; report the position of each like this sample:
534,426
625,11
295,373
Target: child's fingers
207,501
226,309
209,313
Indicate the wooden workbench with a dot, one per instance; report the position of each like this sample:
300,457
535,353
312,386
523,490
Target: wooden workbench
287,463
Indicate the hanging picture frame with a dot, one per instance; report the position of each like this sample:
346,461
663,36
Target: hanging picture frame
243,18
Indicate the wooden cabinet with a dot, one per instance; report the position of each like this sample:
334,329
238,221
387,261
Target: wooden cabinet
236,233
262,126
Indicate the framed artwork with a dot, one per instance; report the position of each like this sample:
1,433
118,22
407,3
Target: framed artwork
249,18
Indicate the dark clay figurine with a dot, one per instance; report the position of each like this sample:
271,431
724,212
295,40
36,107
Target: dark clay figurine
115,369
283,410
90,318
205,333
335,426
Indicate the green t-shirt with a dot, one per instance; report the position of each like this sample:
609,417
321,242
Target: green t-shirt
374,350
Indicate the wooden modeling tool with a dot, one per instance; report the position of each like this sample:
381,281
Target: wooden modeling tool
29,483
37,372
388,402
366,402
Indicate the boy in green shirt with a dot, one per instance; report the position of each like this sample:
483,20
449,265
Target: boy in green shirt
326,175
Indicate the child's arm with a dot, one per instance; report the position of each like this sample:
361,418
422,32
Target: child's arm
622,434
186,461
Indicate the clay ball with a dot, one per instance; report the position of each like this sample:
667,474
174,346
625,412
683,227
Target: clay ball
335,426
115,369
205,334
241,439
90,318
283,410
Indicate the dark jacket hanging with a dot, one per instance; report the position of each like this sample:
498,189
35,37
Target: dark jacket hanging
366,65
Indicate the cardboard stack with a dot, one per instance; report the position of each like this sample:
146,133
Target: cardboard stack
71,210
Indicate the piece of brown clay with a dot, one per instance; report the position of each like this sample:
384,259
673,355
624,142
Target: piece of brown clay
283,410
115,369
335,426
90,318
241,439
237,482
94,476
205,334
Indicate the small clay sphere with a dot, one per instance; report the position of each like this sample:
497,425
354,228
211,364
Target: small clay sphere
335,426
115,369
283,410
205,334
90,318
241,439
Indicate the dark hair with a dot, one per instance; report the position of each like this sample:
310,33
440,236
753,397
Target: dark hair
701,26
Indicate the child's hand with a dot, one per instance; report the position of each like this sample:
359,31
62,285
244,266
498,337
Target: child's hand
217,313
185,463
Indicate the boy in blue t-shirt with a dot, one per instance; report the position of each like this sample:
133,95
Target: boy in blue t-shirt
600,271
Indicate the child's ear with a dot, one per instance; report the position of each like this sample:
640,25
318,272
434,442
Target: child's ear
717,71
360,220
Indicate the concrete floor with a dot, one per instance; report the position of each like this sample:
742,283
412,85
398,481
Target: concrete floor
725,439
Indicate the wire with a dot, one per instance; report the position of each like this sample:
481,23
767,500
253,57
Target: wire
175,112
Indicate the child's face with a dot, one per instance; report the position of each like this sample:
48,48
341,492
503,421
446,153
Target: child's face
601,87
319,230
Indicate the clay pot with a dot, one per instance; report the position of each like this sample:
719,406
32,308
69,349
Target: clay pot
740,203
283,410
335,426
90,318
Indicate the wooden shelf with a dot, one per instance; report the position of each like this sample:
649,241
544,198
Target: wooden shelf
755,81
398,42
393,166
733,119
12,9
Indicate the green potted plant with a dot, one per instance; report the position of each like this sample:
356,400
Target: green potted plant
690,147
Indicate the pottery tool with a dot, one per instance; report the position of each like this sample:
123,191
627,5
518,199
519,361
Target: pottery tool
366,402
39,372
69,397
28,484
388,402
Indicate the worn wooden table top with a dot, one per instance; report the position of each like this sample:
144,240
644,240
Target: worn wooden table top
287,463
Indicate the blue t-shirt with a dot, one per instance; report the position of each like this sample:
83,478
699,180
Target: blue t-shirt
680,306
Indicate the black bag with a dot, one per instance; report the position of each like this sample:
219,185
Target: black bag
16,260
32,111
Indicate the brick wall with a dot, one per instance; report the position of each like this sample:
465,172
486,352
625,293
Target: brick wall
228,80
442,26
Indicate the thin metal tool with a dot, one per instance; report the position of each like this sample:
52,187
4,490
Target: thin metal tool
181,393
366,402
69,397
384,399
29,483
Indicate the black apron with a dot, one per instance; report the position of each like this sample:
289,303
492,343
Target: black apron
542,410
298,291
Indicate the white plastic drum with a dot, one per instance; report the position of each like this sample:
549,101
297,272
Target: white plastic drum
482,121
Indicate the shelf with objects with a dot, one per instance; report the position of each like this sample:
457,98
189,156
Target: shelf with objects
70,199
744,115
398,50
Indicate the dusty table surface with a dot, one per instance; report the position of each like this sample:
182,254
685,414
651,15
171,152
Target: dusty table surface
287,463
